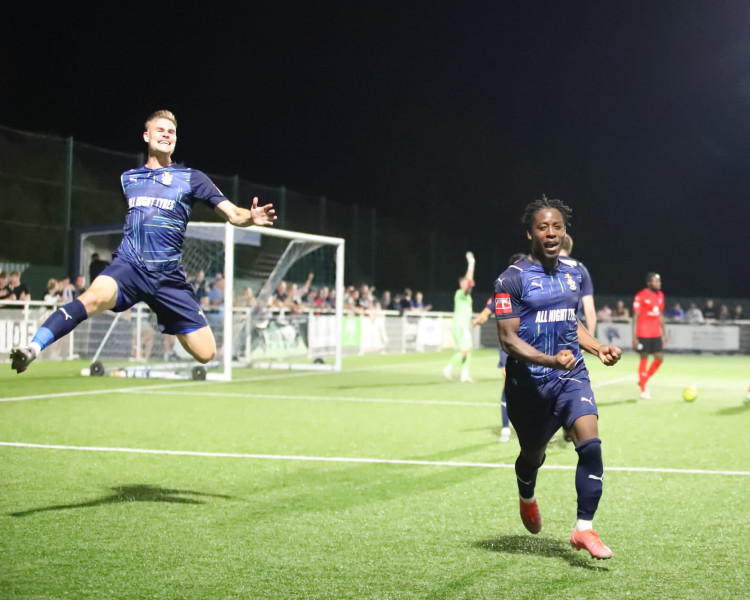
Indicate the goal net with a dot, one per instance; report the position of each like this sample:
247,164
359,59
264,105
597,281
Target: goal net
236,272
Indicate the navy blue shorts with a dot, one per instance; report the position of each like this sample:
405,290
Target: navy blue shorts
538,410
167,293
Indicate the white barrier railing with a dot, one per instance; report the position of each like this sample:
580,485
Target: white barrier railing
19,321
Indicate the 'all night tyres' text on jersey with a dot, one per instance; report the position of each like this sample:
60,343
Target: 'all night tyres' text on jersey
160,203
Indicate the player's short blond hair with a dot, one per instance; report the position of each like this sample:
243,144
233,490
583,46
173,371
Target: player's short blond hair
567,244
161,114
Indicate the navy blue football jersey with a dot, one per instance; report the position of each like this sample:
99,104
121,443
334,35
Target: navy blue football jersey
546,304
587,285
160,204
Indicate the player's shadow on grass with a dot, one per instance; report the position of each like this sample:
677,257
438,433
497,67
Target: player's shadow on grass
541,546
129,493
734,410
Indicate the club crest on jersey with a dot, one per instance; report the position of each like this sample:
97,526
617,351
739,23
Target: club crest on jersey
502,304
166,178
571,282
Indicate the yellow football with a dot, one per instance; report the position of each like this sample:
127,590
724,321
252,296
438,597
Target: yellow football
690,393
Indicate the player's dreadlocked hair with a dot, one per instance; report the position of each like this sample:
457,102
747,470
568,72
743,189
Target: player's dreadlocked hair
535,206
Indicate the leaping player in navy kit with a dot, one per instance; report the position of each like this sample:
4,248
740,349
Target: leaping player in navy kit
547,384
148,264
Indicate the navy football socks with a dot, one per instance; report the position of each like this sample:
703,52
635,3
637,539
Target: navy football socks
526,476
60,323
589,477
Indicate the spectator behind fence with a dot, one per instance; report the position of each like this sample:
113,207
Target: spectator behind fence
302,291
79,286
280,296
386,302
66,290
200,286
216,295
419,304
406,303
620,311
676,313
604,314
322,299
724,314
709,310
16,289
366,300
4,291
694,314
54,293
96,266
247,298
311,299
738,314
330,299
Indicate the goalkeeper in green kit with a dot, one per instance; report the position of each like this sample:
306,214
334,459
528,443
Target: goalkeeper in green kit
463,309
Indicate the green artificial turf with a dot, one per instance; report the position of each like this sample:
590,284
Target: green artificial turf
383,481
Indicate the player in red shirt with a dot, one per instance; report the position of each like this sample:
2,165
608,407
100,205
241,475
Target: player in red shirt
649,332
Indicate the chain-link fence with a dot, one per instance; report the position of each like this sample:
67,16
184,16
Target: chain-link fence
53,187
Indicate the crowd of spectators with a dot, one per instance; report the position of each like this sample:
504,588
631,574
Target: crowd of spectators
677,314
300,297
60,291
362,299
709,312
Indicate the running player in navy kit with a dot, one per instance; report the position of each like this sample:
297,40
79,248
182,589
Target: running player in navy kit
547,385
148,264
480,319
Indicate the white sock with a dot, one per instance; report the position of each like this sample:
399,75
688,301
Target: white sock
528,500
35,347
583,525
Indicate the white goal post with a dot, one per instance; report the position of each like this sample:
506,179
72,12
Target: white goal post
256,335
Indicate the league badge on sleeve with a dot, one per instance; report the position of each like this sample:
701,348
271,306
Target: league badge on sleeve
502,304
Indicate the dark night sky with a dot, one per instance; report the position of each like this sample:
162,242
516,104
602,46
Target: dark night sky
637,114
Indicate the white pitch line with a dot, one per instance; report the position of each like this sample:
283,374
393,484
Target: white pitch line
494,405
136,389
282,375
344,459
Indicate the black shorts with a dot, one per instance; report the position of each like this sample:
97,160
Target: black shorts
650,345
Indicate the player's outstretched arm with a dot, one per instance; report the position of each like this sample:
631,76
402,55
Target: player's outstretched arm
507,333
244,217
481,318
470,262
589,310
607,353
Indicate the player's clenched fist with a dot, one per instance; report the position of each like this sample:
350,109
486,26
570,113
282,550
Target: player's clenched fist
609,354
564,360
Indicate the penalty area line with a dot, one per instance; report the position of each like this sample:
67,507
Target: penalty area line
345,459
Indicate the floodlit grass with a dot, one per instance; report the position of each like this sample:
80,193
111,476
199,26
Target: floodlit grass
248,507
